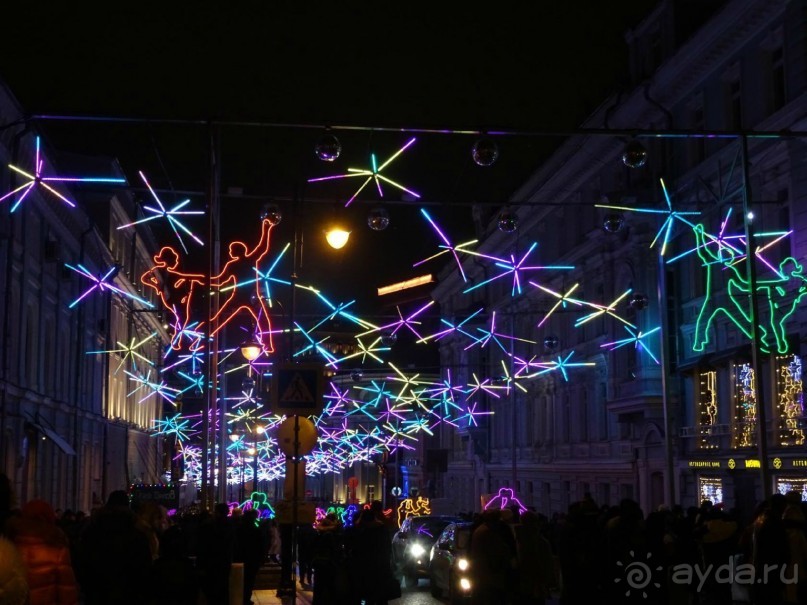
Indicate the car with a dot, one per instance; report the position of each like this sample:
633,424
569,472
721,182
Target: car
412,544
450,565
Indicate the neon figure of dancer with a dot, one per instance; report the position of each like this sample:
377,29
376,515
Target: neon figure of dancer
179,284
240,262
777,291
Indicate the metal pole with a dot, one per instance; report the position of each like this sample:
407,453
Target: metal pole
753,314
512,388
214,236
671,497
294,500
222,485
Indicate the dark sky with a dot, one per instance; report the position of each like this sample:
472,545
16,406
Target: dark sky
522,66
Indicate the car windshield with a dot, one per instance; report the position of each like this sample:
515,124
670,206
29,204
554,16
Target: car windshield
428,528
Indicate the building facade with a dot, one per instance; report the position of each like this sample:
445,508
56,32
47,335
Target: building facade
70,432
665,411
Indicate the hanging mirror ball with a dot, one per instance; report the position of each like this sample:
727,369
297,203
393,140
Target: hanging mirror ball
328,148
551,343
388,339
613,223
356,375
485,152
247,384
272,213
508,221
634,155
378,219
638,301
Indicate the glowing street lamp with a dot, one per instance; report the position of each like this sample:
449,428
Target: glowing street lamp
250,349
337,237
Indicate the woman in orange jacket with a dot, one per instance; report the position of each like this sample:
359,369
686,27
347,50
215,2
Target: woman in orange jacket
45,552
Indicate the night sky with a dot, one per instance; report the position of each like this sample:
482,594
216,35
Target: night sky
509,66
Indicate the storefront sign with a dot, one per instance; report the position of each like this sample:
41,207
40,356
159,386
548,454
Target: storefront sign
704,463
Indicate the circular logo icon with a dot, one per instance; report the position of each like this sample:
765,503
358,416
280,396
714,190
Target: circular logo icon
638,575
777,463
732,464
396,491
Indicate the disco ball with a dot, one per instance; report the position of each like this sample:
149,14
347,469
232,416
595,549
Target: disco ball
551,343
507,221
388,339
247,384
378,219
485,152
328,148
272,213
356,375
613,223
638,301
634,155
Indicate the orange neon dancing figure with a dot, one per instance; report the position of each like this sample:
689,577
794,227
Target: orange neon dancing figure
180,285
227,282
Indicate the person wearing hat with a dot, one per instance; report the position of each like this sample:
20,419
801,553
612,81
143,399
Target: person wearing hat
45,552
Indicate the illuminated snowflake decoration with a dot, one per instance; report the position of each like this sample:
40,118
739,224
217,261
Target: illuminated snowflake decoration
372,175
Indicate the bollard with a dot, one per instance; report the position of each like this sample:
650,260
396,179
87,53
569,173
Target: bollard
237,584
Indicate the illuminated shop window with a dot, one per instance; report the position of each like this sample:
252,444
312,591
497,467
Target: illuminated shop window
792,484
744,429
707,410
710,488
790,400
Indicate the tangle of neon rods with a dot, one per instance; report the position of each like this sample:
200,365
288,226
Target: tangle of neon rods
360,421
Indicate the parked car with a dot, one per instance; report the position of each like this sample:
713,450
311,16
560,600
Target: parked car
449,564
412,544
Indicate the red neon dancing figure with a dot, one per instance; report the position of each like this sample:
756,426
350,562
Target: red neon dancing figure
227,282
180,284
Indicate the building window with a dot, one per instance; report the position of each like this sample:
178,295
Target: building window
583,417
792,484
697,145
603,409
734,113
778,89
707,410
710,488
790,401
744,427
566,420
655,51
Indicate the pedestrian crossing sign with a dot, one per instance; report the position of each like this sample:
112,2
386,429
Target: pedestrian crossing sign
298,388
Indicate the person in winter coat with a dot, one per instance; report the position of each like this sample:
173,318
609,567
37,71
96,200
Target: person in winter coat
45,552
535,564
13,580
114,557
494,557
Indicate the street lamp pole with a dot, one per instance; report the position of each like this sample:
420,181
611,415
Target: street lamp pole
671,496
753,316
214,261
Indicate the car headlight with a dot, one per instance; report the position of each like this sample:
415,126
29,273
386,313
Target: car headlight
416,550
462,564
465,584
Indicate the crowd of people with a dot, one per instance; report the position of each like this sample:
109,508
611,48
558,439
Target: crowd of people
615,554
120,555
124,555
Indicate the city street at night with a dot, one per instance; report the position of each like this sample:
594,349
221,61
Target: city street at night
499,306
